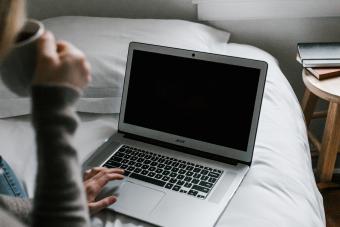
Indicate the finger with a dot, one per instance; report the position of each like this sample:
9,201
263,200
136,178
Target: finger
97,206
66,48
104,179
92,172
47,47
88,70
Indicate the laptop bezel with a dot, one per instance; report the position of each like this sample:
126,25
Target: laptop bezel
227,152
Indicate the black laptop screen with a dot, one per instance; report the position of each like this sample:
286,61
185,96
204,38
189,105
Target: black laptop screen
201,100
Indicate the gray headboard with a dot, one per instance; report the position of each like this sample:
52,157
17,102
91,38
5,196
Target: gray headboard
180,9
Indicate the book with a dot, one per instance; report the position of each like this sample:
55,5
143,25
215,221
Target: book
324,73
317,55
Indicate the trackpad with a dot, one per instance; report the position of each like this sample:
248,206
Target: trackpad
136,199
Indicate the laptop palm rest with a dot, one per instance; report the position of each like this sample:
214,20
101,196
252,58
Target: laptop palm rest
136,199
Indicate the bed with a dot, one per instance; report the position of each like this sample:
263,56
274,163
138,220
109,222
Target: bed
279,189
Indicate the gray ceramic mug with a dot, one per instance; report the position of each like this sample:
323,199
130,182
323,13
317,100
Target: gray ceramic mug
17,69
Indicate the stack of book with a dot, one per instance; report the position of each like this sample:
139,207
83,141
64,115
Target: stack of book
322,60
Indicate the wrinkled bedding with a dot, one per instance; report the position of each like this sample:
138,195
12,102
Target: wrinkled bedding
279,190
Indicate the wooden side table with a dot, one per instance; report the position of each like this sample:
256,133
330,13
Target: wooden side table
328,90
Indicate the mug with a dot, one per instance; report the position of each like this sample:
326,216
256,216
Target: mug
18,67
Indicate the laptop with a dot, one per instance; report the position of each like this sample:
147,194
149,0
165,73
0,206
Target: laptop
186,134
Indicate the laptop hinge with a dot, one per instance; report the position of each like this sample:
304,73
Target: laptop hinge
184,149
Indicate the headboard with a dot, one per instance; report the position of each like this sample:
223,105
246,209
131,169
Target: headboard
180,9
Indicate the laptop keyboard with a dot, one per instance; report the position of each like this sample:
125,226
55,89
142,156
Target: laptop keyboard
168,172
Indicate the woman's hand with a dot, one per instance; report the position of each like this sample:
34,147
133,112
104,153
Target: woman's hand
94,181
60,63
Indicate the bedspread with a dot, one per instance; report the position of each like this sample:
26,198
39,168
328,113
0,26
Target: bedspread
279,189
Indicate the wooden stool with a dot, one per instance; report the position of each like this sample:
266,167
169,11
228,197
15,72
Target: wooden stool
328,90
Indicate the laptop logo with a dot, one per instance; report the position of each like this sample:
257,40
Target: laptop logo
180,141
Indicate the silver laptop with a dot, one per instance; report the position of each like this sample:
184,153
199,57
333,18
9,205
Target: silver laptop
186,134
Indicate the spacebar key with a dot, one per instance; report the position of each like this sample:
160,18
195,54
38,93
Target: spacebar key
147,179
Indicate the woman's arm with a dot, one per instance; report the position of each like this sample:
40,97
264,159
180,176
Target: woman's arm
62,72
59,197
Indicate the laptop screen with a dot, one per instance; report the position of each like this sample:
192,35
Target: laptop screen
197,99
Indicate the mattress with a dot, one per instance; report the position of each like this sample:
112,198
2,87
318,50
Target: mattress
279,189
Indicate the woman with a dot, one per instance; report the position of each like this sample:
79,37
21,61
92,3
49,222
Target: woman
60,197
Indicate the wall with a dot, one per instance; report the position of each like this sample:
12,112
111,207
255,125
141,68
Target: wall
113,8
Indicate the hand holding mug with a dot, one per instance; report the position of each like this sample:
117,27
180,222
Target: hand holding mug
60,63
36,57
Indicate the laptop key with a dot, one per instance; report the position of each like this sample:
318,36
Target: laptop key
147,162
204,178
212,180
165,178
131,168
113,164
197,175
116,159
181,171
180,177
197,170
167,167
175,164
173,180
124,166
169,186
144,172
152,168
158,176
189,168
180,183
138,170
147,179
119,154
176,188
189,174
175,170
212,174
204,172
127,156
126,173
158,170
151,174
165,172
188,185
200,188
206,184
188,179
195,181
192,192
131,163
182,166
173,175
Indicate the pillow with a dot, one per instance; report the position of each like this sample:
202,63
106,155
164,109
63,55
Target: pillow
105,42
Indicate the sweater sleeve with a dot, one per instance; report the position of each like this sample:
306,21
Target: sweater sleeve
18,207
59,198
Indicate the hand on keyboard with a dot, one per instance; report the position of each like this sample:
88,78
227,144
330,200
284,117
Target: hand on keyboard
94,181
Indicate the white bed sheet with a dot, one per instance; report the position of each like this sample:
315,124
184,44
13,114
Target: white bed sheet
279,189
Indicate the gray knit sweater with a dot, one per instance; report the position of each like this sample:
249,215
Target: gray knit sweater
59,198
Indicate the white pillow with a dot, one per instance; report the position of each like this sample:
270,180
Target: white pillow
105,42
